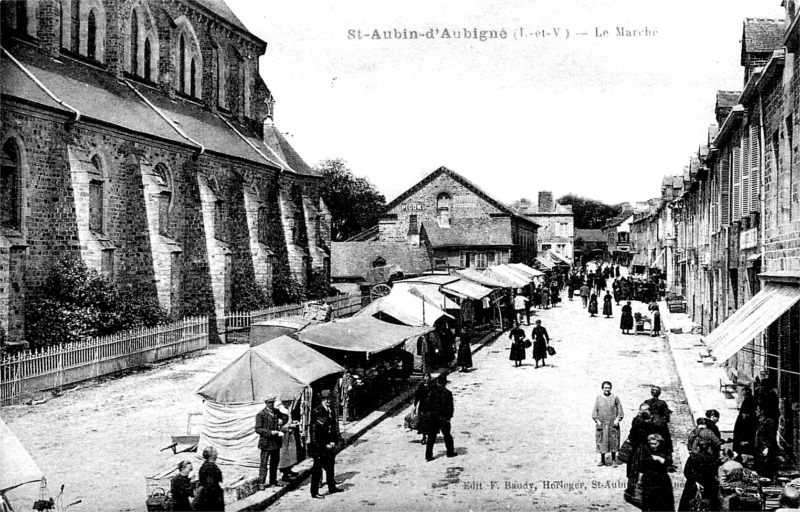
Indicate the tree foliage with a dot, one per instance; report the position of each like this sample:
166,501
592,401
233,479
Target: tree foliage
590,213
76,303
355,204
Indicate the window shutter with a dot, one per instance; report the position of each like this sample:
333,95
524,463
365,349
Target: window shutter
725,192
736,184
755,168
745,187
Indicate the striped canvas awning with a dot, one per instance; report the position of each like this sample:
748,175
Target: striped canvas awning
750,320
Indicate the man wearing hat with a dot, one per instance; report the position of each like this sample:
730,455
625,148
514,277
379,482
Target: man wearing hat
322,448
271,438
438,409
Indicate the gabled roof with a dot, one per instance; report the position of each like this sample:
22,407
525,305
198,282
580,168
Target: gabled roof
354,259
619,219
726,100
221,9
471,231
762,35
463,181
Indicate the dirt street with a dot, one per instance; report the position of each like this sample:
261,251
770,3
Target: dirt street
102,439
524,436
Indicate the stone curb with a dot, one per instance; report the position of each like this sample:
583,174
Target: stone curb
263,499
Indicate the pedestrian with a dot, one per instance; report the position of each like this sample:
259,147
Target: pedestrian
712,418
528,309
540,342
702,439
324,440
420,395
209,493
626,322
517,335
730,475
607,414
767,399
661,413
593,305
291,447
181,488
268,428
616,271
701,480
641,428
439,407
766,447
744,430
519,306
545,298
554,294
656,484
570,290
464,360
584,292
607,305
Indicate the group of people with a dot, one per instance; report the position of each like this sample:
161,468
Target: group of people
715,474
543,296
280,447
519,343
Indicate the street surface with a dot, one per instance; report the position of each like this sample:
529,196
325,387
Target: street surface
524,436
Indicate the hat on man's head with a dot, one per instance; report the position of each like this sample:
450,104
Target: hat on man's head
325,393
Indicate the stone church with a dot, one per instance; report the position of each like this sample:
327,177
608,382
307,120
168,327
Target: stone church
138,135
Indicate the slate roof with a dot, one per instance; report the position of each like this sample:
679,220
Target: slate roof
528,208
354,259
619,219
101,97
762,35
471,232
466,183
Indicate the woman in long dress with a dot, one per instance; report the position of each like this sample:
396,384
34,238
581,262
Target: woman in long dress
593,304
656,483
517,354
209,494
641,427
626,322
540,341
607,305
464,359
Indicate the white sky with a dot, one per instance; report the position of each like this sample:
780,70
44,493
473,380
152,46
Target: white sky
604,118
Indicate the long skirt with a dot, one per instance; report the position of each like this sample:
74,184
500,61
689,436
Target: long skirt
607,308
626,322
517,351
464,355
593,308
539,349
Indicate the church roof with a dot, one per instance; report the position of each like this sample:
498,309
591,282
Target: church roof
762,35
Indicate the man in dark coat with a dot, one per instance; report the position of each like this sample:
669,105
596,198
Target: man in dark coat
271,439
766,448
439,410
322,448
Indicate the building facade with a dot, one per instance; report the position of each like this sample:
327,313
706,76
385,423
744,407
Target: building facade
617,233
737,223
556,224
138,136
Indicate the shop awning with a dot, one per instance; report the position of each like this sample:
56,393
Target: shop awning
546,262
508,276
477,277
558,258
467,290
360,334
526,269
19,468
405,308
428,292
750,320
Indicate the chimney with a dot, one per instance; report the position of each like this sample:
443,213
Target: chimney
545,202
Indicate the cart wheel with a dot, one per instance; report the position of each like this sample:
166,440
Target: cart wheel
378,291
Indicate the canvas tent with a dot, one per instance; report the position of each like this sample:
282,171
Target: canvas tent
280,368
361,334
404,307
17,467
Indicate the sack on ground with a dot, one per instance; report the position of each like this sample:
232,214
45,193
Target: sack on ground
411,421
551,351
625,451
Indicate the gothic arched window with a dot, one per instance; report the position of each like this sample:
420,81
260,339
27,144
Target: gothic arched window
135,43
9,185
91,36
